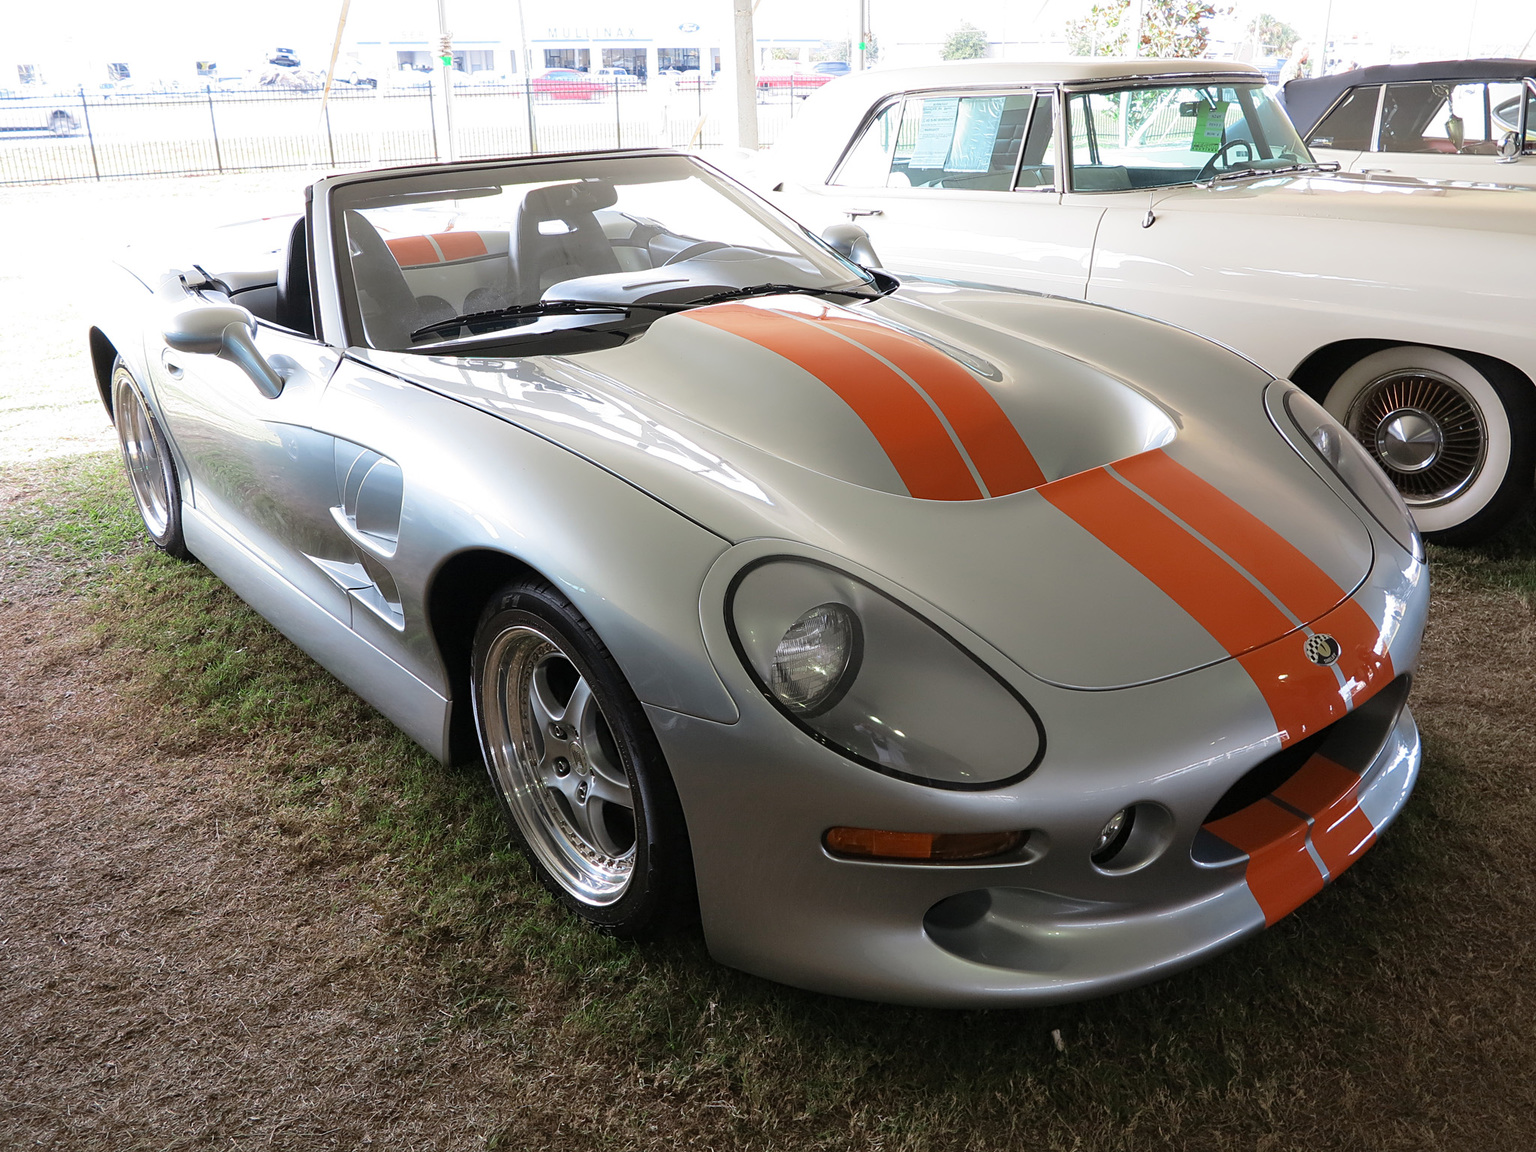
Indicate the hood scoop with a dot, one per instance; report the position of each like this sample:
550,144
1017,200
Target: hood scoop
868,401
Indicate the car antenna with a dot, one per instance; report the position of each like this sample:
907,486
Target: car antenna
1151,217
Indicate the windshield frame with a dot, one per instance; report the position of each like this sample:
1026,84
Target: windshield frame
1172,80
347,193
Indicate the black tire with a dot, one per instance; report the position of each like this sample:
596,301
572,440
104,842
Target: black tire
152,475
1478,413
580,776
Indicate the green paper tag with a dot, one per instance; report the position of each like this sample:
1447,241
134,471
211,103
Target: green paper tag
1210,124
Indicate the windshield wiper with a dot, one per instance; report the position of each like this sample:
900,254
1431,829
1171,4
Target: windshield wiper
542,308
773,290
1289,169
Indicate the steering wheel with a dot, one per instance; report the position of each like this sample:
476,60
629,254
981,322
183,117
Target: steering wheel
1210,167
693,250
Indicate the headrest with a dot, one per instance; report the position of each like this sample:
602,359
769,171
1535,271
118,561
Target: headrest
561,200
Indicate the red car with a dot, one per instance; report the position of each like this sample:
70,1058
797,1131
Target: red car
795,82
567,84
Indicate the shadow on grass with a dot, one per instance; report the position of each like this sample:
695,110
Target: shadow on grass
1345,1000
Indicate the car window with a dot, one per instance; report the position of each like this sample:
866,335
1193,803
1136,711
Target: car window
868,163
960,141
1037,169
1352,123
1152,137
1450,119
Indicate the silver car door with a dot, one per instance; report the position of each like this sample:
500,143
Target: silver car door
966,190
256,466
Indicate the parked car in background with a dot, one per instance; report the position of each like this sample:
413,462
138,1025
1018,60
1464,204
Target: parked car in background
567,84
1448,120
1178,189
932,644
833,68
790,79
23,111
617,78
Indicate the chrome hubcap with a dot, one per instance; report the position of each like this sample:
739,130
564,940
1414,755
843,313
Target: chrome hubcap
1409,440
558,765
147,474
1424,430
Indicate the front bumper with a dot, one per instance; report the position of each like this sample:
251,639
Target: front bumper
1042,928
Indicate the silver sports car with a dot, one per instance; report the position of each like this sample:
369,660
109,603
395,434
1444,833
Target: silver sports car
929,644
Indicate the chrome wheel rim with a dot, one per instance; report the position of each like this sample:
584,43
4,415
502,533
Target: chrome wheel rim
145,462
558,765
1427,433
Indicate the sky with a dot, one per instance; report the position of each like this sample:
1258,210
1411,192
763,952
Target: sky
243,34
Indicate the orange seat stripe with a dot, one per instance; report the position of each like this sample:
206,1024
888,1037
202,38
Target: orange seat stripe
1220,599
1281,873
988,436
410,251
902,422
1327,792
460,245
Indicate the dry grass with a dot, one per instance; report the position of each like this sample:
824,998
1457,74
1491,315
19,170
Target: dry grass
237,907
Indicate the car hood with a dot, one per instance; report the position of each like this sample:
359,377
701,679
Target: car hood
963,444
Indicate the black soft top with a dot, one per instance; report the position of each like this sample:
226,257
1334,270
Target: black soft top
1306,100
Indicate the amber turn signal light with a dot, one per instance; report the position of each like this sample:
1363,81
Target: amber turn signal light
873,844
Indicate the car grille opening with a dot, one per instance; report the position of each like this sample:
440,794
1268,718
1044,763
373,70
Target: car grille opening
1352,742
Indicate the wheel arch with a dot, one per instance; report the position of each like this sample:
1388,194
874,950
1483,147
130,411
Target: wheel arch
103,355
455,597
1317,372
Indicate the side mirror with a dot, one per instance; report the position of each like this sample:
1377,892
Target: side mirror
852,243
1509,148
225,331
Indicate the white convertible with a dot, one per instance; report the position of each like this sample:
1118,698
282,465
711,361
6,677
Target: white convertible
1180,190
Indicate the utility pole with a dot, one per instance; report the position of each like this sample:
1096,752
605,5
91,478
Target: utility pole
863,44
743,74
445,56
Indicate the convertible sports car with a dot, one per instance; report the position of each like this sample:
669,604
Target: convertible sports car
1178,189
930,644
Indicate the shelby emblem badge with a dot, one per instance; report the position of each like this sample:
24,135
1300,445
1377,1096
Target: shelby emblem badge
1322,648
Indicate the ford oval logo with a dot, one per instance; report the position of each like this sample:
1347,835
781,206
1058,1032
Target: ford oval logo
687,27
1322,648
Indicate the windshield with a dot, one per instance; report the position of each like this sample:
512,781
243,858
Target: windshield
1153,137
511,247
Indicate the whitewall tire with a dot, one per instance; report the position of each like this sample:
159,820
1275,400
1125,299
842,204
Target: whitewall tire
1457,439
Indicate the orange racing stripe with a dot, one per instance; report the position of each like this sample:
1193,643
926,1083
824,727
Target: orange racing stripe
905,426
988,436
1326,792
1281,873
1220,599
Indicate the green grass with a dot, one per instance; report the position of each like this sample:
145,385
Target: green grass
1507,561
1390,1012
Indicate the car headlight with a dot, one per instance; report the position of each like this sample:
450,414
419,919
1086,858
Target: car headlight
867,676
1352,464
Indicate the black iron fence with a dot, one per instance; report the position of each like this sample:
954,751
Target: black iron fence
100,136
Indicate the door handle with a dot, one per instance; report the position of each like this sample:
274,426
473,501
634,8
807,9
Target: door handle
172,368
855,213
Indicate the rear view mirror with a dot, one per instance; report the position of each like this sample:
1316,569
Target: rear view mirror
225,331
852,243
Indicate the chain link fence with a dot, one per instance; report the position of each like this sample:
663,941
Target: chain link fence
102,136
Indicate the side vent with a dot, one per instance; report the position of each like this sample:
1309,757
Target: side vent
372,494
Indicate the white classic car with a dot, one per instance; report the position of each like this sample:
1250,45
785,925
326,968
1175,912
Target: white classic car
1444,120
1180,190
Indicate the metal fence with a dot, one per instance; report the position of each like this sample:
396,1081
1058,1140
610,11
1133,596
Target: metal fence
113,135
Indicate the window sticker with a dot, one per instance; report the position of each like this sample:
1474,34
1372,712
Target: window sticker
936,133
1210,126
976,135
